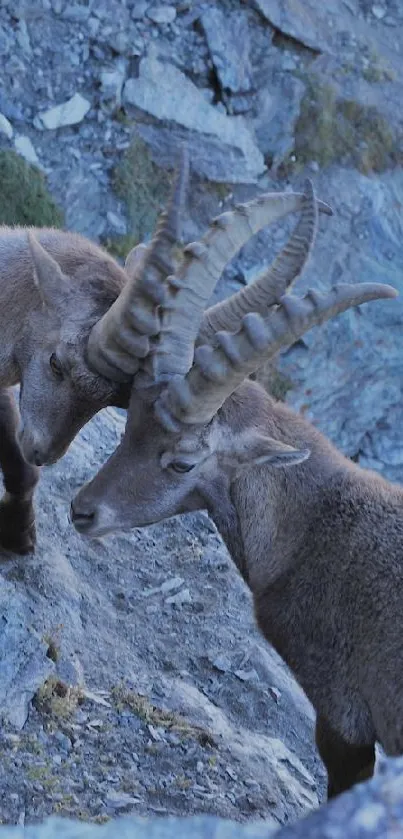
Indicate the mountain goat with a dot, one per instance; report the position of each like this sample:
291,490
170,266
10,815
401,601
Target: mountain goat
320,544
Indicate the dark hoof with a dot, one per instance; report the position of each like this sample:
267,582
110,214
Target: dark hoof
17,526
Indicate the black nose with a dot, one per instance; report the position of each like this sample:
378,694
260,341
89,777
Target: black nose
82,520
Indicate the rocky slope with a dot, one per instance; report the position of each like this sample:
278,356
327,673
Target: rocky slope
372,810
152,691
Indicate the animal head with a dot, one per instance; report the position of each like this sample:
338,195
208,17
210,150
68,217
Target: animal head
59,391
156,473
194,422
86,340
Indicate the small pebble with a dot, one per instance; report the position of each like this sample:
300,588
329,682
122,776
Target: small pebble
378,11
162,14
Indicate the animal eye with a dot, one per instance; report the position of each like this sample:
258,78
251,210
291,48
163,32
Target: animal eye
182,466
55,366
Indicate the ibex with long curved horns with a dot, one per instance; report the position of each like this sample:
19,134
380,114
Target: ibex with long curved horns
59,292
319,544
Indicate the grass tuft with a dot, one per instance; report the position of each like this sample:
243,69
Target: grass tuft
24,197
332,129
144,187
150,714
58,700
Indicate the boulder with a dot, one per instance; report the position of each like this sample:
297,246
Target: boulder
67,113
222,148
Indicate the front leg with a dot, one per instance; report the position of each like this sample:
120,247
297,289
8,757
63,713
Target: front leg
345,763
17,515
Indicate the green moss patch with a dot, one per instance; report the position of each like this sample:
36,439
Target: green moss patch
144,187
332,129
24,197
119,246
276,383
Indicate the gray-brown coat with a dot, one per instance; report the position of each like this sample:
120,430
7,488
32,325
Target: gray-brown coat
317,539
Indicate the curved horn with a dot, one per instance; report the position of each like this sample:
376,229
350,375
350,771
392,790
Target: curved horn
217,372
120,339
190,290
272,282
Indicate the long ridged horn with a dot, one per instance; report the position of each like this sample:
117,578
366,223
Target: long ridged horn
119,341
272,282
193,284
218,371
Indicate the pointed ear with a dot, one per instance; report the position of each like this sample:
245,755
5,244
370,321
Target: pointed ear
135,259
48,276
255,449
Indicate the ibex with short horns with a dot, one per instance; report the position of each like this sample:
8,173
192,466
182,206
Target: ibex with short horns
320,545
76,327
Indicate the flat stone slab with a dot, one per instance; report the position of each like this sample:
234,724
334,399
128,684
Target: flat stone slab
225,148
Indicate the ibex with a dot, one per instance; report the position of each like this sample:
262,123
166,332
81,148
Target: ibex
58,292
54,287
320,545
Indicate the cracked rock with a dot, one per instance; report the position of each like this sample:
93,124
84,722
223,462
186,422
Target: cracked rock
229,45
112,81
24,664
298,19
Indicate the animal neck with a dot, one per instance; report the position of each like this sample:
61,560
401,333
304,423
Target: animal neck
271,511
227,521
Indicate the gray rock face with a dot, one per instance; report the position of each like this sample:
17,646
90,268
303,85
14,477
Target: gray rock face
223,147
112,80
197,828
355,361
373,810
263,753
86,209
24,664
306,21
139,9
275,125
228,39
